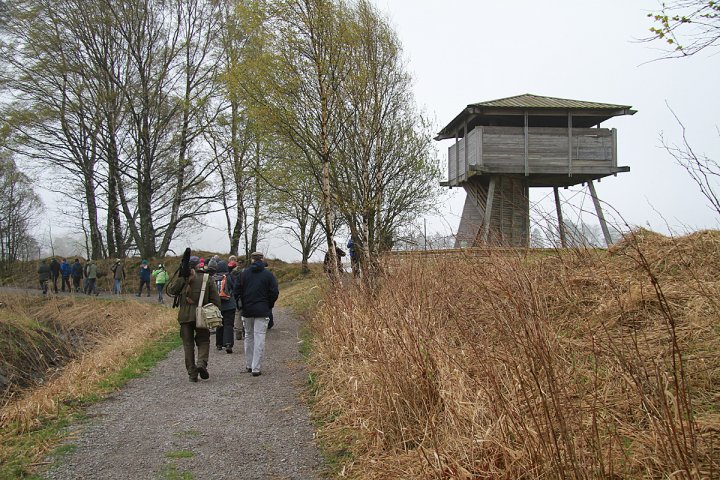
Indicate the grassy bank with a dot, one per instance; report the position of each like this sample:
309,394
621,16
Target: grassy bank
581,364
98,347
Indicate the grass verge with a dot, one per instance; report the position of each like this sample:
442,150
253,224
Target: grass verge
34,424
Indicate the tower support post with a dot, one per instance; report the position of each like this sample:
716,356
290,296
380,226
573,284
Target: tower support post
601,217
561,223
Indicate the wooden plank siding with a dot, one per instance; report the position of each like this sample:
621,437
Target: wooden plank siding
502,149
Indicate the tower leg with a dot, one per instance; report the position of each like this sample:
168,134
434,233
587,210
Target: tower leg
488,210
561,223
471,219
601,217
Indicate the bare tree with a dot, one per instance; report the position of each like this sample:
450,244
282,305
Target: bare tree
703,170
51,110
20,206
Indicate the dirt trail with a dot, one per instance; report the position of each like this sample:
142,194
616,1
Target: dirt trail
248,427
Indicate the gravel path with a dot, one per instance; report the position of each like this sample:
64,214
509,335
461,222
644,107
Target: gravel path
250,427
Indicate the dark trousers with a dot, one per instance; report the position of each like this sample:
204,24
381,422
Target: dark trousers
55,279
160,287
192,336
66,281
91,286
224,335
76,283
144,283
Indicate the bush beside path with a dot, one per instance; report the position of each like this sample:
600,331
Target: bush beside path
232,425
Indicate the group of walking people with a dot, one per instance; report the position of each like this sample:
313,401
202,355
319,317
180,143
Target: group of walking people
160,275
245,298
63,271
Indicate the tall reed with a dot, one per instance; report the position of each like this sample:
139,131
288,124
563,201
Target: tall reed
580,364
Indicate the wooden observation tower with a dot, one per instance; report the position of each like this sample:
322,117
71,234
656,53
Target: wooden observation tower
503,147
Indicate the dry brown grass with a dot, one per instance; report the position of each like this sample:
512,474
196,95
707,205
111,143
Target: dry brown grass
95,336
579,365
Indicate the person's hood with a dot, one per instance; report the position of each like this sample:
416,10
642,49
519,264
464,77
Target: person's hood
257,266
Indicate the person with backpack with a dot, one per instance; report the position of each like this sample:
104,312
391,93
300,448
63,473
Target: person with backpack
189,288
226,288
118,276
65,271
77,274
259,291
144,275
161,278
55,273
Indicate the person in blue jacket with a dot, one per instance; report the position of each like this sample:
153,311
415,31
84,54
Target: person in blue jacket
65,271
77,274
258,291
144,275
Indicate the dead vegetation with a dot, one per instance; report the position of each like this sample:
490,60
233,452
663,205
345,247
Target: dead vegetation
582,364
62,347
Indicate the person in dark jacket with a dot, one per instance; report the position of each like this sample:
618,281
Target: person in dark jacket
44,276
144,275
224,337
77,274
189,290
235,271
259,291
55,272
339,253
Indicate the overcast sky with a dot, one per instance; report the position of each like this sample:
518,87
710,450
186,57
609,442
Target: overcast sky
466,51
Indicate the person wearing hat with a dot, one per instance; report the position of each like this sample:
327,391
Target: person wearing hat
144,275
189,291
161,278
118,276
258,291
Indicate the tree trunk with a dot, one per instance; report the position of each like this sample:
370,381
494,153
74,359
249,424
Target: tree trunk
256,204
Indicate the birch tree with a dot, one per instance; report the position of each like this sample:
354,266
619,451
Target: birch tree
294,86
386,174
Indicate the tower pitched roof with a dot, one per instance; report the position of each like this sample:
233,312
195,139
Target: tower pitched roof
589,113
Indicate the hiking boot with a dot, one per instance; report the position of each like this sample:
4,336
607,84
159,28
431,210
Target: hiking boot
219,347
193,379
202,370
256,374
248,369
228,349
